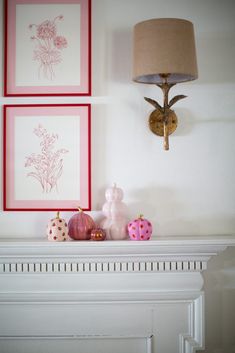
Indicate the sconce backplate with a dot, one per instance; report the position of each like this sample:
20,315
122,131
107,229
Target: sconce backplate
156,122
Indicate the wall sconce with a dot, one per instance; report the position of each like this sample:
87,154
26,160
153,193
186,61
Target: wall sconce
164,54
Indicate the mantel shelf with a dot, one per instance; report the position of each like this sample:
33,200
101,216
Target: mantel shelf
164,254
160,268
166,245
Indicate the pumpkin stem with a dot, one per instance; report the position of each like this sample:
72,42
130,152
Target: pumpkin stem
58,214
114,185
80,209
141,216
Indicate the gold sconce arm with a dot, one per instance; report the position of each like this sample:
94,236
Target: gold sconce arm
163,120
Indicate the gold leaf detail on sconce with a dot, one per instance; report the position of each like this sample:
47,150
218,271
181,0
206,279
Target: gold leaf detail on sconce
154,103
176,99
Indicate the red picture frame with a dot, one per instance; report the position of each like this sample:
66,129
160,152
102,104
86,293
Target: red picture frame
46,157
47,48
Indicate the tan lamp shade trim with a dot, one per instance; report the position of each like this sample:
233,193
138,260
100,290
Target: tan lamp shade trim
164,46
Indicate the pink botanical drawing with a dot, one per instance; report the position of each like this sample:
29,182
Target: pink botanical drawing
47,166
48,46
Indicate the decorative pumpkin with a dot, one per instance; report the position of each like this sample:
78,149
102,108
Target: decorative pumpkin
57,229
80,226
98,234
140,229
114,194
115,211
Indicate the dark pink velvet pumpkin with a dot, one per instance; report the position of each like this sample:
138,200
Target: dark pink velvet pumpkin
80,226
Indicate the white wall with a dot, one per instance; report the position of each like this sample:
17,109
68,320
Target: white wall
189,189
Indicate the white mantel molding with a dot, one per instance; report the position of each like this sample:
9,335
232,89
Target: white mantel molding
107,270
117,278
169,265
165,254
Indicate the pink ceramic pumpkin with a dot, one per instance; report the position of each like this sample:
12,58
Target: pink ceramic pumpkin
114,194
115,211
57,229
98,234
140,229
80,226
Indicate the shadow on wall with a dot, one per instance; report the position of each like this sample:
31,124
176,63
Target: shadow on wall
187,121
200,226
219,303
114,61
216,58
166,202
166,212
121,67
99,162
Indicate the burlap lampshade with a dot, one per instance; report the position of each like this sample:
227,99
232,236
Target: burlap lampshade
164,46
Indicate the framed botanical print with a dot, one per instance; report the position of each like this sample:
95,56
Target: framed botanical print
46,157
47,47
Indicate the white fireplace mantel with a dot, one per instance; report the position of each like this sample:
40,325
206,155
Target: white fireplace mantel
175,263
140,288
186,248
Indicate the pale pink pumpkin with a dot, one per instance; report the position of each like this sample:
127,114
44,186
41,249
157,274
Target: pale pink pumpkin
114,194
115,211
80,226
57,229
140,229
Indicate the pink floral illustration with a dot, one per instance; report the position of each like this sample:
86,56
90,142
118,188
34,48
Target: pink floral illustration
48,46
48,166
60,42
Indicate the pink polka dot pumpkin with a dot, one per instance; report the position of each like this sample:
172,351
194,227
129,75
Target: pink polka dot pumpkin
140,229
57,229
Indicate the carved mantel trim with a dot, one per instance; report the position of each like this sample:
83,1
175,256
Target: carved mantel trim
165,254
